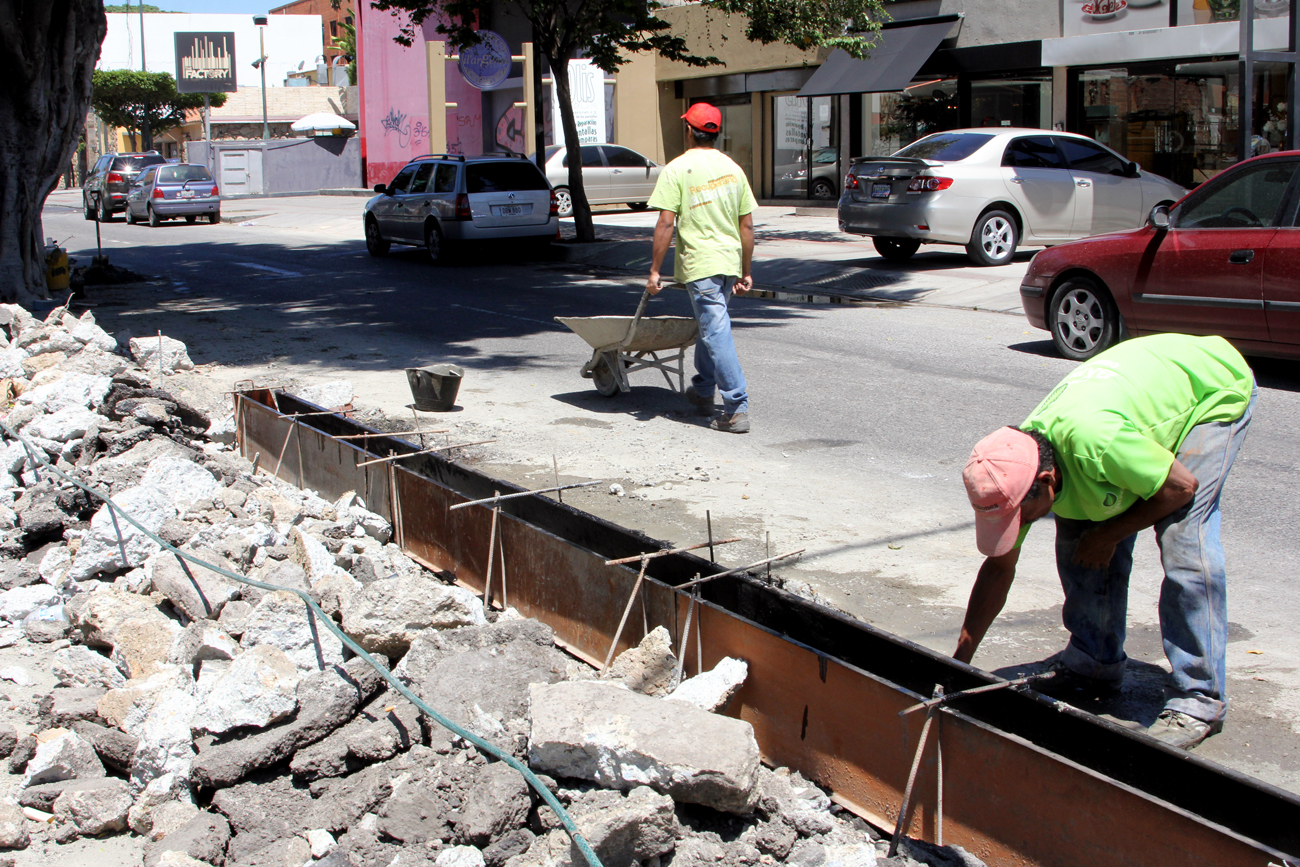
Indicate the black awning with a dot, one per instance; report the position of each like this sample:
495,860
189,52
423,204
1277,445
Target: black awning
892,65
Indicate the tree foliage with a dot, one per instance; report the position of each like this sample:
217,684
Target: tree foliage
120,97
148,10
607,31
347,45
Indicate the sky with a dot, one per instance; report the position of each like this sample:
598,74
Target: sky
251,7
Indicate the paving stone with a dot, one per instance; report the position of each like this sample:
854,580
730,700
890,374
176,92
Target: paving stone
388,614
620,739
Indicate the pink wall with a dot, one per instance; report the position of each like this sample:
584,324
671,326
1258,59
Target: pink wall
394,99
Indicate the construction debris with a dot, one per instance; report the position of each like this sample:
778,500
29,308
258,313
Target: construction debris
214,723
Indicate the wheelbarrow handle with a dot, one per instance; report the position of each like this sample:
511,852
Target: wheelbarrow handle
640,309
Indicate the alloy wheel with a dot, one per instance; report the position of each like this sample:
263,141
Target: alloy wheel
997,238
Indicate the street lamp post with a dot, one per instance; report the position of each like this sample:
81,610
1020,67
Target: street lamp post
260,63
146,139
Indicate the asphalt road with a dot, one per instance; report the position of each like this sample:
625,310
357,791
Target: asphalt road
864,415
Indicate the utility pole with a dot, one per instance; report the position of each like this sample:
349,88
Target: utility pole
146,138
260,21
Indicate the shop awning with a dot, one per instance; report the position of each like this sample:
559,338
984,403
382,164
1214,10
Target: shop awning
892,65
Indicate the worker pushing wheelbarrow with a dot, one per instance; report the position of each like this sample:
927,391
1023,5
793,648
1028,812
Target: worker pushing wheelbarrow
625,344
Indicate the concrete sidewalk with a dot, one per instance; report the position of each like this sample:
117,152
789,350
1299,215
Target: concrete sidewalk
795,254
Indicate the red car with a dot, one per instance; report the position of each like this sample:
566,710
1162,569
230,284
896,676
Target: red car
1224,260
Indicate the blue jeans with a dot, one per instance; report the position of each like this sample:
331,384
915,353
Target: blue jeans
716,363
1193,597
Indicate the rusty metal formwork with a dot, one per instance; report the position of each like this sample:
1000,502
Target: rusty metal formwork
1026,781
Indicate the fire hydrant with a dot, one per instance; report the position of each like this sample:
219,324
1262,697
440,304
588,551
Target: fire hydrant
57,273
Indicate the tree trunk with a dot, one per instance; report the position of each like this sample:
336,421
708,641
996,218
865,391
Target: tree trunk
48,49
585,230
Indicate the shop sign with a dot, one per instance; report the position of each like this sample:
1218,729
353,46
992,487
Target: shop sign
486,64
205,63
587,90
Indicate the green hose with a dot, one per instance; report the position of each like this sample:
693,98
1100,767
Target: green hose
482,745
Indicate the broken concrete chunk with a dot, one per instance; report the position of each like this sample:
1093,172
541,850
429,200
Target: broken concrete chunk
234,616
647,668
621,739
181,480
158,808
166,744
259,688
100,551
62,755
142,642
196,590
65,705
89,808
496,803
624,829
165,353
282,619
114,748
127,706
13,828
459,856
328,395
99,614
387,615
203,838
262,811
713,689
199,642
74,389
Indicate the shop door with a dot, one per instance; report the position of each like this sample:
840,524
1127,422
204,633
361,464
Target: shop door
805,147
1038,180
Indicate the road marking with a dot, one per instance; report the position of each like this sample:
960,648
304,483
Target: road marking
269,269
506,315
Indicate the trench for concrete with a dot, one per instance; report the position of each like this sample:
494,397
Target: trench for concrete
1025,780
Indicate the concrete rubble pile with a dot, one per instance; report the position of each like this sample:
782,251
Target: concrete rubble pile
224,725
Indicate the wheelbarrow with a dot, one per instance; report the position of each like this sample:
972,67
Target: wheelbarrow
625,344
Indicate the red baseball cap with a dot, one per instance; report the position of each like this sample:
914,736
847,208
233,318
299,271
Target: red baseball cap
1000,472
703,117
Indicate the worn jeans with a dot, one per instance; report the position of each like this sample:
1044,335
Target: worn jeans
1193,597
716,363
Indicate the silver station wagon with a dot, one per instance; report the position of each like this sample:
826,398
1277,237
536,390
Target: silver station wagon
440,200
171,190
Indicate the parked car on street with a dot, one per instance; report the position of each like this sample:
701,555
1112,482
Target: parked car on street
994,190
171,190
611,174
440,200
1225,260
792,178
109,180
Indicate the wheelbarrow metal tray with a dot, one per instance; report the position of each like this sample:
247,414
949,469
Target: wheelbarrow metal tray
653,333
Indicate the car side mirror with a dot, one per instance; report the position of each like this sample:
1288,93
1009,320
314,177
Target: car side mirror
1159,218
382,189
1132,170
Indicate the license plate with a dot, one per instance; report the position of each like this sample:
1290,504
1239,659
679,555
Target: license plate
187,194
510,210
881,191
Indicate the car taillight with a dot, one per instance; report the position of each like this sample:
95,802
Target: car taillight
114,178
555,205
462,207
928,184
215,191
157,193
850,181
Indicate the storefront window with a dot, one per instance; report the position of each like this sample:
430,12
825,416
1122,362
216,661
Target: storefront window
1025,102
902,118
805,147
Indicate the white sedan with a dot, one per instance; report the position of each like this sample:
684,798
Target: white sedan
611,174
992,190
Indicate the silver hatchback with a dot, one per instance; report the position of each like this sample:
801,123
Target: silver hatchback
440,200
171,190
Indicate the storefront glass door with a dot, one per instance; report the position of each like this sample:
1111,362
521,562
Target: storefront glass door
805,147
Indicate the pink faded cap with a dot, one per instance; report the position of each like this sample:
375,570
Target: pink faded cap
1000,472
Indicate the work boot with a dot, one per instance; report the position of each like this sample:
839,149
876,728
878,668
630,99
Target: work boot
1177,729
738,423
1071,686
703,405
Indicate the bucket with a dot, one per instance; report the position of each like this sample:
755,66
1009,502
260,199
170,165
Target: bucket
434,388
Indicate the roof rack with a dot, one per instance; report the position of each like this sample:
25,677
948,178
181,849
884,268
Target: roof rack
460,157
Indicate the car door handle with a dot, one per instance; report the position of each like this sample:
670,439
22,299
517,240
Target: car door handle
1016,180
616,171
1241,257
1083,183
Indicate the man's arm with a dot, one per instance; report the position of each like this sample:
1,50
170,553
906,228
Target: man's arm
746,281
663,239
986,600
1097,544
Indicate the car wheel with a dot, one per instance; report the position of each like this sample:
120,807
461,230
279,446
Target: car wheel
563,202
896,249
130,216
105,212
375,242
993,242
154,220
603,378
638,206
433,244
214,218
87,208
190,219
823,189
1083,319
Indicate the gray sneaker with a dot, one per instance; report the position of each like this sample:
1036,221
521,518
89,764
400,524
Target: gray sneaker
703,405
1181,730
738,423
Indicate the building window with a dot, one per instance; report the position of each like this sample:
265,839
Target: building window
334,28
805,147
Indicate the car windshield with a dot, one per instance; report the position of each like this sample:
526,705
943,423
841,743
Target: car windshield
134,164
503,177
946,146
180,174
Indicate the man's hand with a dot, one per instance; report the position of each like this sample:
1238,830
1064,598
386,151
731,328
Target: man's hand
743,285
1095,548
652,285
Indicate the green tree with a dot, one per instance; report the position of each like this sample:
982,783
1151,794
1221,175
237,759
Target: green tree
347,44
606,31
120,97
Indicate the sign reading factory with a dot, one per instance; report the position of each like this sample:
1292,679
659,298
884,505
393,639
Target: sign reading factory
205,62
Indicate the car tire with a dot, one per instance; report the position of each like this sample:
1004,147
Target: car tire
433,244
602,376
993,240
1083,319
896,249
87,208
214,218
375,243
823,189
190,219
130,216
105,212
564,202
154,220
638,206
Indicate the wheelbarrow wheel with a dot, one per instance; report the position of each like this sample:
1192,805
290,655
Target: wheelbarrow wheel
604,379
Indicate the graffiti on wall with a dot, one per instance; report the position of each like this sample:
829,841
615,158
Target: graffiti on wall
510,130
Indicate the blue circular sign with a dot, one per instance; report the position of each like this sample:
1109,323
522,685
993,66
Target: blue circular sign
487,64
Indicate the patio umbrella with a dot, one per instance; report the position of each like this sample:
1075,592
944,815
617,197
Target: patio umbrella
323,122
